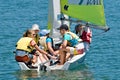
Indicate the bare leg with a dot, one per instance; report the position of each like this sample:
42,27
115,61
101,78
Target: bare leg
68,56
62,57
34,60
43,58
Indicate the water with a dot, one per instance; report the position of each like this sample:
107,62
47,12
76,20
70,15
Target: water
101,63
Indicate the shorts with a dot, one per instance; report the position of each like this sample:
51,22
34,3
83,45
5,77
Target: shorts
23,53
78,49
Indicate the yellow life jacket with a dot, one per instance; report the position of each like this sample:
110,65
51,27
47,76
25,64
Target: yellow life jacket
74,36
24,44
42,42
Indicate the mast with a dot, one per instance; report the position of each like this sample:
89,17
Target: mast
53,15
54,18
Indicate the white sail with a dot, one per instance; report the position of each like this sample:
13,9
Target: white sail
54,19
53,14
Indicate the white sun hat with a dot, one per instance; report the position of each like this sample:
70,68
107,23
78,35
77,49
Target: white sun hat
44,32
35,27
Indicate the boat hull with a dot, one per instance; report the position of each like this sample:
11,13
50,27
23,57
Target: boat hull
72,63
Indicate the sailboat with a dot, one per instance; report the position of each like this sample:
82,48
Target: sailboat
90,12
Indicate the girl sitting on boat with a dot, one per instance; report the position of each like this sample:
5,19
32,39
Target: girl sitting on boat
85,34
47,42
71,44
25,49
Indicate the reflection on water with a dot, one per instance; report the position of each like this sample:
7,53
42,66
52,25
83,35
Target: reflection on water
81,73
24,75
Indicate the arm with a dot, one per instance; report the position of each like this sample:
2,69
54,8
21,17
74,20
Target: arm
66,38
64,44
50,47
49,43
44,52
40,50
33,43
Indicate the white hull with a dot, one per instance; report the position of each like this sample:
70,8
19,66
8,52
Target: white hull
72,63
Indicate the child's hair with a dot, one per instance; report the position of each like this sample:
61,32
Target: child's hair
76,28
27,33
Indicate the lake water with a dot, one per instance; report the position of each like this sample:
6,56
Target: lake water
102,61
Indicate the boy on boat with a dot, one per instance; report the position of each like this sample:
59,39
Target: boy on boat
70,45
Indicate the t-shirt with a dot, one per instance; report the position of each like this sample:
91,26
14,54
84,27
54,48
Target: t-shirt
67,37
48,40
71,41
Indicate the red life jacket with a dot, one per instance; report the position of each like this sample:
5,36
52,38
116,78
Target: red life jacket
86,35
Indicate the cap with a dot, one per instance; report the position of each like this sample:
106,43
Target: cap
44,32
35,27
64,26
